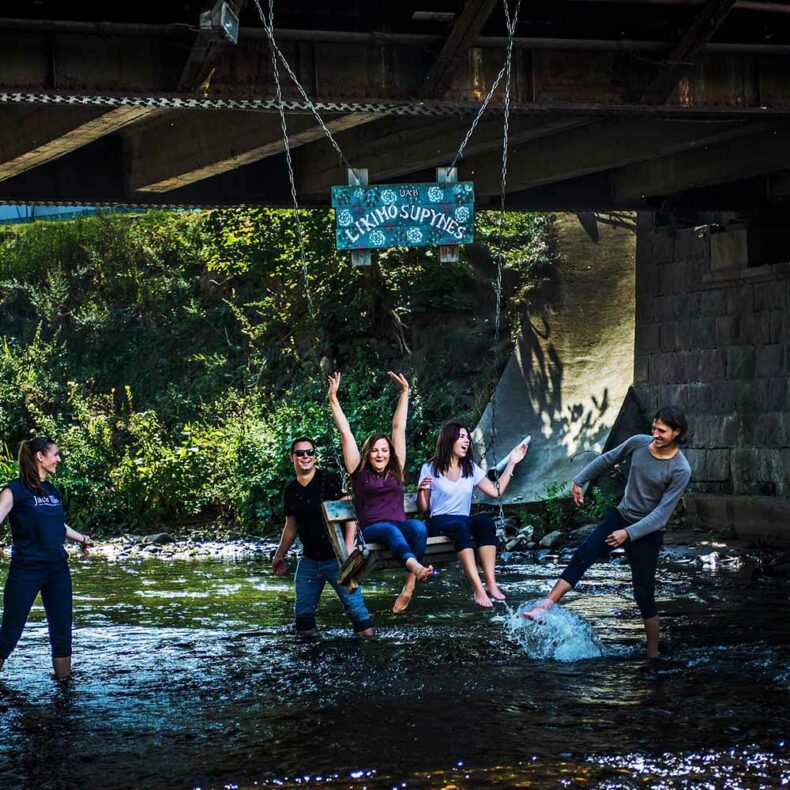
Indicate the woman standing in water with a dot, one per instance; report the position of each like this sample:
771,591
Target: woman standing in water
657,478
377,481
447,483
38,559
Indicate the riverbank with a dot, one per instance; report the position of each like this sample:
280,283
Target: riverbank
682,544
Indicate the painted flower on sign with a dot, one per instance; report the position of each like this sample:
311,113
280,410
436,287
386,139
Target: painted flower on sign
462,190
344,219
414,235
377,238
435,194
388,196
359,194
462,214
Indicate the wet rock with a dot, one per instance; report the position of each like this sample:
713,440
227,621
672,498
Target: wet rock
580,534
552,539
523,535
159,539
709,560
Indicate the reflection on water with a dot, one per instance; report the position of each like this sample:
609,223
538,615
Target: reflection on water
189,675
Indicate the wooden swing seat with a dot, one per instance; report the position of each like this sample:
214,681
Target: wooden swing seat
357,566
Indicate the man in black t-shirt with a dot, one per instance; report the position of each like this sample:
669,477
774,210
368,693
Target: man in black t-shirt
318,565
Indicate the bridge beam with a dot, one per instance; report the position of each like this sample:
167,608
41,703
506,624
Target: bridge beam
713,164
392,148
465,30
592,149
699,33
32,135
185,148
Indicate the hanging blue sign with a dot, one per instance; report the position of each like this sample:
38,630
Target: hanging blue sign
404,215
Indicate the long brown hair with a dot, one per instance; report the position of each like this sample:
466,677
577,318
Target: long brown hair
444,450
393,468
28,469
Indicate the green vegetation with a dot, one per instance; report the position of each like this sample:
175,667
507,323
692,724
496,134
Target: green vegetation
559,512
173,355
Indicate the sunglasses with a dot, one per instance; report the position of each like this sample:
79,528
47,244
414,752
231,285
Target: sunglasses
301,453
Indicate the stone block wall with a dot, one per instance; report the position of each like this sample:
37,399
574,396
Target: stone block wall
716,341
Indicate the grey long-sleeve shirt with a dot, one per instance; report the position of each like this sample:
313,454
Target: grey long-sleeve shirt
654,485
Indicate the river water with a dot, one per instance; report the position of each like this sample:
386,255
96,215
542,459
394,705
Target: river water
188,675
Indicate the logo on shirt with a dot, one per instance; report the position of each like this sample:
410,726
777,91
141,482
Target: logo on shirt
45,501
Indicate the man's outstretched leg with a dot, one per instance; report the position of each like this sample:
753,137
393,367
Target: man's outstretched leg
594,548
554,597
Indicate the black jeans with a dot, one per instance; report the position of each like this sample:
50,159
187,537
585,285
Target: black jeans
468,532
25,580
642,553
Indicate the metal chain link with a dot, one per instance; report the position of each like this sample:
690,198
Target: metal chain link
288,159
479,115
302,257
500,254
269,28
170,102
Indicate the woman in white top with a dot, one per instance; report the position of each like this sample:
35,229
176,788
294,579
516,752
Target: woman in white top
446,486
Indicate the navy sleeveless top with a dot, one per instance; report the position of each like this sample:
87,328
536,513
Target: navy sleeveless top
38,523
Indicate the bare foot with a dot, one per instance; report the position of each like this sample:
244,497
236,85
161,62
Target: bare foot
495,593
404,599
423,572
482,599
537,612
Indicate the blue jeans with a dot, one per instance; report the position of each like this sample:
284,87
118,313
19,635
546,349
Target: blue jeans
642,554
25,580
468,532
311,576
405,539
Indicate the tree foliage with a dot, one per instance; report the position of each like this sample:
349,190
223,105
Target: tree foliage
174,355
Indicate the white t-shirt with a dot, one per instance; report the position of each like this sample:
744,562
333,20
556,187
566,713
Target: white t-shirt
452,497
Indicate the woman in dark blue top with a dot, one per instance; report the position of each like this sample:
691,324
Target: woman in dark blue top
38,560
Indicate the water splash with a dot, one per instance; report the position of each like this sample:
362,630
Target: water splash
561,636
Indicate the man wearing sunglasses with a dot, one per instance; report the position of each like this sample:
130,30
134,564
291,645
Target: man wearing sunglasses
318,565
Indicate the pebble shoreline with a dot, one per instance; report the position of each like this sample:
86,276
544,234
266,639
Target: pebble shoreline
680,546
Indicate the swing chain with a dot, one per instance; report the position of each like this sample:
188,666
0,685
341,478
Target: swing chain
300,235
500,254
505,71
269,28
479,115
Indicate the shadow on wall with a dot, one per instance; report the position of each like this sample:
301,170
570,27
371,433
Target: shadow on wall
573,363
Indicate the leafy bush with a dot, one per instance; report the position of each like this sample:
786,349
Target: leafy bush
174,356
559,512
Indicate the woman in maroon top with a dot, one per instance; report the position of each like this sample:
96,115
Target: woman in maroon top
377,480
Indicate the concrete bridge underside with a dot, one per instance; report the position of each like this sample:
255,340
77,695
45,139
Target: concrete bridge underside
666,104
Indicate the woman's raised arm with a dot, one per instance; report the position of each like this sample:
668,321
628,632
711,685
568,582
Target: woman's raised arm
351,456
516,457
400,417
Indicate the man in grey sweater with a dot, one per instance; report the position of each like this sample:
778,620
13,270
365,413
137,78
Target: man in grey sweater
657,479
